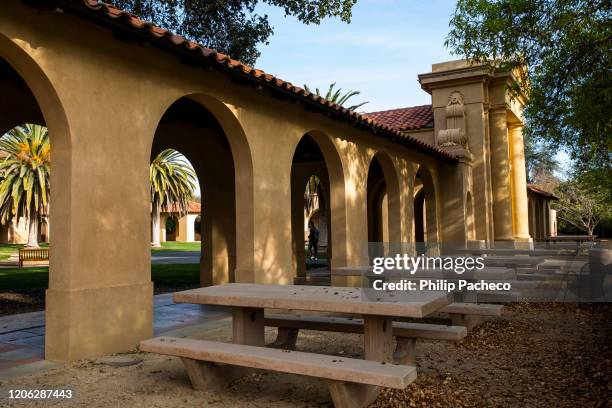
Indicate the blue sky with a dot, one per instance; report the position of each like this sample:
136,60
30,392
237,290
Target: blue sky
380,53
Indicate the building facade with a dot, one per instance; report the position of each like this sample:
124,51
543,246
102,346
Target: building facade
114,89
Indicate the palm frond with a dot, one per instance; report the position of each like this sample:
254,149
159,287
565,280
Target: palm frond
173,181
337,96
25,172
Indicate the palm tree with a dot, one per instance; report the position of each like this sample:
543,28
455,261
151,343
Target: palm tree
311,194
173,182
25,171
337,96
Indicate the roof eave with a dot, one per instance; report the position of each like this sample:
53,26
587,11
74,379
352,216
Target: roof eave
79,8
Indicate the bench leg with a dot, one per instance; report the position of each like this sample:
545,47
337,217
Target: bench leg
405,351
468,321
285,339
206,376
351,395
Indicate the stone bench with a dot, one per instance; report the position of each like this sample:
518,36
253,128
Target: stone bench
352,382
515,261
470,315
405,333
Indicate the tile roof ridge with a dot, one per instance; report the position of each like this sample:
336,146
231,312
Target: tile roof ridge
401,109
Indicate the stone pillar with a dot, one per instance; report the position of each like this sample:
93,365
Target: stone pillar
162,227
218,231
183,229
552,220
100,296
454,185
519,184
299,178
500,176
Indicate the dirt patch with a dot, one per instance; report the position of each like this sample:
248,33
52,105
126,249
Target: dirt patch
534,356
23,301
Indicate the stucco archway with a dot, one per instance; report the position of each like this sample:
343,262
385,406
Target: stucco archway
208,134
28,96
425,211
383,201
315,155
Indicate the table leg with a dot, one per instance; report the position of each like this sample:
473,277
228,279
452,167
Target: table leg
378,338
248,326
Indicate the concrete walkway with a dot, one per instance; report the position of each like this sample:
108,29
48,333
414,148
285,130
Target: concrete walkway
175,257
22,336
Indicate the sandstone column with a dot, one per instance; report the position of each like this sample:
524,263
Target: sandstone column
519,184
500,175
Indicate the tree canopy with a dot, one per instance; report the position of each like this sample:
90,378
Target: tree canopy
233,27
173,182
565,47
538,158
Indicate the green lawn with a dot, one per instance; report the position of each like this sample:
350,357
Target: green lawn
38,277
6,250
178,246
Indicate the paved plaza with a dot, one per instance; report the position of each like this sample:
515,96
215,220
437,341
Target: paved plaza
22,336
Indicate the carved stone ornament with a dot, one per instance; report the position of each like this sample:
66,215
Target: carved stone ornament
454,134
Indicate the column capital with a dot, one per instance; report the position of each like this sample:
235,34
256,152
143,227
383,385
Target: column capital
497,109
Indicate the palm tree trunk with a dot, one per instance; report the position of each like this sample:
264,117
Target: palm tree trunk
33,230
155,222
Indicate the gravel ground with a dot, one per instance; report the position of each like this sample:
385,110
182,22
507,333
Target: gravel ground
535,356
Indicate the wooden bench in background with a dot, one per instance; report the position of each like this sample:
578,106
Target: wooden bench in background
33,254
405,333
353,383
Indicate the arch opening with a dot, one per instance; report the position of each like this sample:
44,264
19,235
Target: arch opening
425,220
317,207
190,128
310,211
383,206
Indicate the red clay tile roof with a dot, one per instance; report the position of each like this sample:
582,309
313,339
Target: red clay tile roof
535,189
192,208
403,119
112,17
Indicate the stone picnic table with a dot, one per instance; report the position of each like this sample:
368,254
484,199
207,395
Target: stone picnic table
353,383
248,302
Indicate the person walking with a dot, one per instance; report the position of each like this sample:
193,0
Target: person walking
313,240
